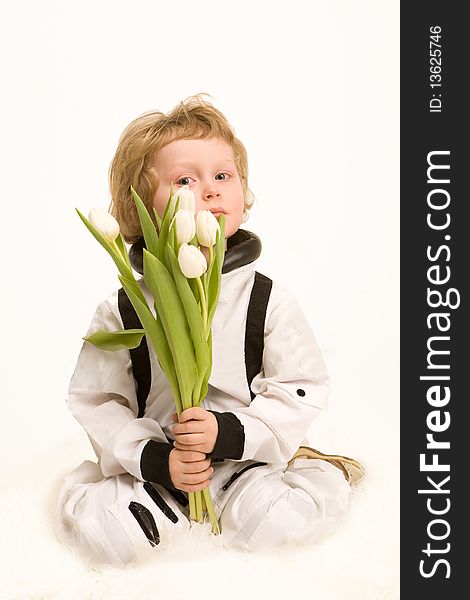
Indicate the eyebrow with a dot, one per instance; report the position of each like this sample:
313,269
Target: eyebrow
186,164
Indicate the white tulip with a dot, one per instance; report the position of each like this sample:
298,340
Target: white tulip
206,228
192,261
105,223
186,198
185,226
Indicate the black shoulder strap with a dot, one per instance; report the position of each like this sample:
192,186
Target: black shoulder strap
139,356
254,332
254,338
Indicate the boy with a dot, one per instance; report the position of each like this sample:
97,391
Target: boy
268,380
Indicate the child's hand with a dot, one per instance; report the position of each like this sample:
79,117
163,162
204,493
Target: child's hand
197,430
189,471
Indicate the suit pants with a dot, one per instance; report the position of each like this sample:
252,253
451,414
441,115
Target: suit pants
116,520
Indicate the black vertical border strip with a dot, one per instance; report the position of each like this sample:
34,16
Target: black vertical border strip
423,132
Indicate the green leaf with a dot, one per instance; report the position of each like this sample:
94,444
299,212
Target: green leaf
208,273
146,223
158,219
167,218
171,312
116,340
134,286
213,286
173,243
112,249
195,290
121,260
155,333
122,248
193,317
205,381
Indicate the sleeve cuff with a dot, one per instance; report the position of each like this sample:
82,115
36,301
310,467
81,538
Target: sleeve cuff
230,441
154,463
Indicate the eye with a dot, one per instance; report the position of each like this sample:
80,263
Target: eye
183,181
224,174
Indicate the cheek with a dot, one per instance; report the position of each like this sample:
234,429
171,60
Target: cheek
237,199
160,199
236,216
239,205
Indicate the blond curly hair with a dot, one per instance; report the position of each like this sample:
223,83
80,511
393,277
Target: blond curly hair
193,118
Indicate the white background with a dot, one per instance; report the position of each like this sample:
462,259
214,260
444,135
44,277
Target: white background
311,89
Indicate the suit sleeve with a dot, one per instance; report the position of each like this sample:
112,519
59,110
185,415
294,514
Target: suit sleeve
102,397
291,391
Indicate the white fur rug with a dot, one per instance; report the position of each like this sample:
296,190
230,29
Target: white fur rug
360,561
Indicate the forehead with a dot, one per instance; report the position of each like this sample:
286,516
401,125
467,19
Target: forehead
186,152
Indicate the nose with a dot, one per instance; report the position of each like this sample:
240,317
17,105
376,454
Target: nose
210,191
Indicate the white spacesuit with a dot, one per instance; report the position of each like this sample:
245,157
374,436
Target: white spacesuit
110,509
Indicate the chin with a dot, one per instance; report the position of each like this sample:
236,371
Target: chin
230,230
232,225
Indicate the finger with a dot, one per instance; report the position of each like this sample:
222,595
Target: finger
197,467
200,448
195,412
195,478
174,418
190,455
194,488
190,439
189,427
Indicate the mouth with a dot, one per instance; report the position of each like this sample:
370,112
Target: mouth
218,211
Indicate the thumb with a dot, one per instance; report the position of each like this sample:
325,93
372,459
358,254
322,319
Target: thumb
195,412
174,418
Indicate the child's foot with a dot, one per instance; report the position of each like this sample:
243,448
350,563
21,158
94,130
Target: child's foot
352,470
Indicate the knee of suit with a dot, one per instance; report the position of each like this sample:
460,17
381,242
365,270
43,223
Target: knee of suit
95,535
324,483
99,527
118,520
296,515
104,543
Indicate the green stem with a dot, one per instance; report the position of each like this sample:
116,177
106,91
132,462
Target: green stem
203,300
211,255
211,510
192,505
121,259
116,247
199,515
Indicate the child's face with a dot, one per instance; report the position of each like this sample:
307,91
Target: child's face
207,166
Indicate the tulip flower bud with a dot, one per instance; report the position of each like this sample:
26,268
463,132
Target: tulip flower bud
206,228
105,223
186,198
192,261
185,226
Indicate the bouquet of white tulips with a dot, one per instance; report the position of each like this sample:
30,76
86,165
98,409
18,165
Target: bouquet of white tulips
185,288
